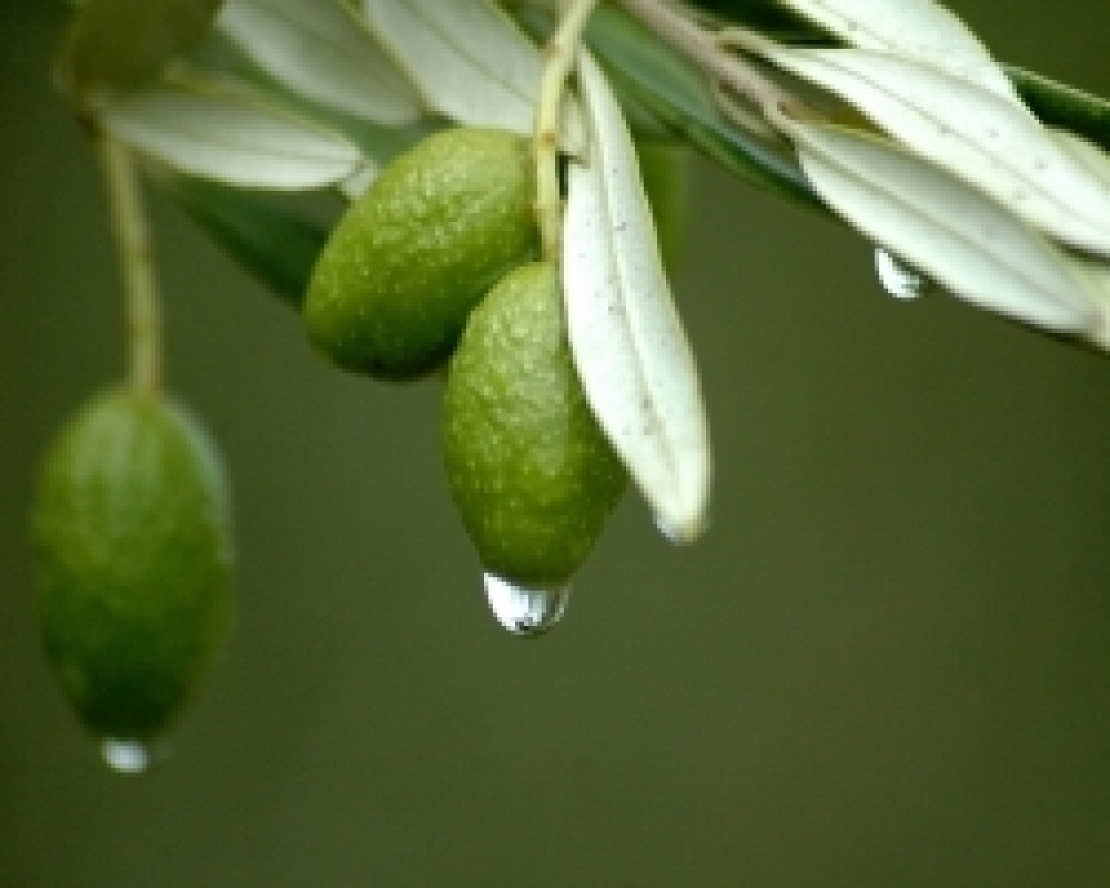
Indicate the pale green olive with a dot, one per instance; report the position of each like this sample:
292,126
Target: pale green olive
532,475
446,220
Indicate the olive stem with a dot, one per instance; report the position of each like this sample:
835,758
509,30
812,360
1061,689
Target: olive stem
712,53
560,51
136,260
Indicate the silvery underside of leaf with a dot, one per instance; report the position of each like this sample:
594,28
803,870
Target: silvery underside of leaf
955,234
468,61
629,347
988,142
223,131
921,30
957,179
317,50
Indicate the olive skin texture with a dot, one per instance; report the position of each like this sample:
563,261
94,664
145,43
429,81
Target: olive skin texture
133,544
410,259
530,471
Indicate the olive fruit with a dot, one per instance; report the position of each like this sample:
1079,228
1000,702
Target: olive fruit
132,537
392,288
530,470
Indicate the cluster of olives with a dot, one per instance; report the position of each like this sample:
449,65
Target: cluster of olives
438,262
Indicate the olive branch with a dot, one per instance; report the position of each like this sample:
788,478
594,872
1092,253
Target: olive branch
989,182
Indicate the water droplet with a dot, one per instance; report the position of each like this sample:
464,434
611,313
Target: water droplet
898,279
126,756
526,612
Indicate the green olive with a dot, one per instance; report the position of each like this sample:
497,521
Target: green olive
410,259
132,532
530,470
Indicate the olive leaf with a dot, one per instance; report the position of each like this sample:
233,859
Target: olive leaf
317,51
956,235
1060,105
274,241
629,347
913,29
468,60
221,134
990,143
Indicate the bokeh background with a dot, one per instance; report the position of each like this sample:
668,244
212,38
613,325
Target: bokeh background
887,664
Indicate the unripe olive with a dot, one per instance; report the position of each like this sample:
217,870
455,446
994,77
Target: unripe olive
530,470
132,533
408,261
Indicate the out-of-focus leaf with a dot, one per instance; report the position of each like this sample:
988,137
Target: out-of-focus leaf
223,136
317,50
672,89
121,45
915,29
629,348
271,239
1056,104
990,143
468,60
221,62
956,235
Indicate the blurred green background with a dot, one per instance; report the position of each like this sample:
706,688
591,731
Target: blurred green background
888,663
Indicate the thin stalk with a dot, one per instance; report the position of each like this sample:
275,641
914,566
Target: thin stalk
136,261
708,51
560,52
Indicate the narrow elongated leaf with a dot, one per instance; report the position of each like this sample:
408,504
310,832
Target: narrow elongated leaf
955,235
318,51
273,241
915,29
990,143
225,137
468,60
122,45
629,347
1060,105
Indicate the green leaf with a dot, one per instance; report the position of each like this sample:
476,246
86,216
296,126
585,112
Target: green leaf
122,45
1057,104
272,239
